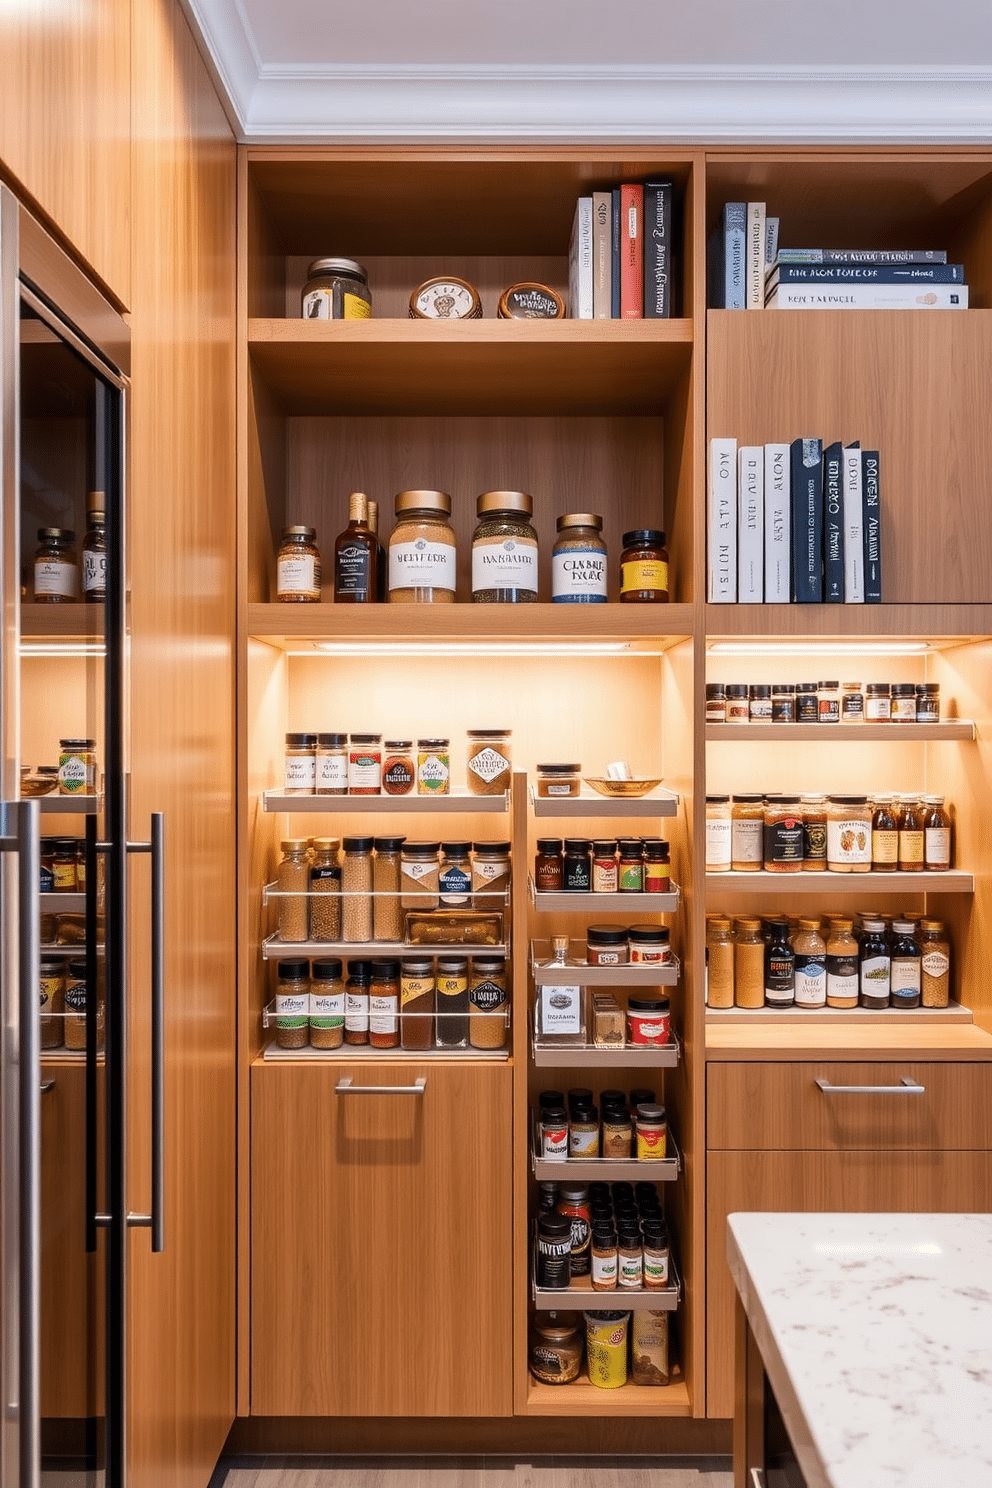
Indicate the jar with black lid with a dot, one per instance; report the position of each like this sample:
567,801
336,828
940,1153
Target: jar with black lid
657,869
298,571
807,703
783,835
878,702
455,878
874,965
548,866
293,1004
716,702
384,1005
555,1346
356,1002
650,943
554,1252
300,765
452,1002
828,701
903,702
928,702
577,866
326,1004
504,549
759,702
606,945
783,702
738,709
336,289
644,567
630,868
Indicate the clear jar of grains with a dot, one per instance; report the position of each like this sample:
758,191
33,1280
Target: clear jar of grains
356,890
325,890
422,550
504,550
293,883
387,912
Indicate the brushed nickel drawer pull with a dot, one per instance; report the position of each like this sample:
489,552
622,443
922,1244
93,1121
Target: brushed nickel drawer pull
906,1086
757,1478
345,1087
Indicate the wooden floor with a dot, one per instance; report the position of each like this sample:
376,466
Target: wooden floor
473,1472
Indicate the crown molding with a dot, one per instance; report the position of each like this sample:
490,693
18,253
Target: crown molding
312,103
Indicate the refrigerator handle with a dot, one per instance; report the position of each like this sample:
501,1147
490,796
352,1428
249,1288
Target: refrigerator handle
29,1102
90,1120
156,847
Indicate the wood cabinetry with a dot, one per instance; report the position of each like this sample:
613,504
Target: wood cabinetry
382,1240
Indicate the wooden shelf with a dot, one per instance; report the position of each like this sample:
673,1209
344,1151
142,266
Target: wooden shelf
632,904
603,1170
658,802
934,622
820,1017
861,733
274,949
515,367
61,622
582,1298
599,1056
459,802
638,974
298,627
581,1398
896,1039
785,885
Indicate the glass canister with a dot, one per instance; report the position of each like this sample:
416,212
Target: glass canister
365,765
912,840
842,965
884,836
905,987
384,1005
326,1005
325,890
300,763
749,964
935,949
504,549
488,998
417,1002
719,834
784,844
488,767
848,834
747,833
490,875
644,567
331,765
455,879
555,1352
578,560
811,965
399,768
56,567
420,872
356,890
421,553
77,767
452,1002
719,962
298,572
433,767
387,912
558,780
336,289
293,1004
293,883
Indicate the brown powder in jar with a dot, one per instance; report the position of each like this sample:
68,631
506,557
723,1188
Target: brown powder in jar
356,889
487,997
488,767
325,887
293,880
387,911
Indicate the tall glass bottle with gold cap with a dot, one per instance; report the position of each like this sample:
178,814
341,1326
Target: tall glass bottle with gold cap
356,556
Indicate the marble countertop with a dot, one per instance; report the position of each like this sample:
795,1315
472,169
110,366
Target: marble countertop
876,1334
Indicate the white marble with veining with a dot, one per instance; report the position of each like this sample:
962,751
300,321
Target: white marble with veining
876,1334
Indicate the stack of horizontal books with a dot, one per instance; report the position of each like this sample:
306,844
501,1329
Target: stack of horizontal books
620,257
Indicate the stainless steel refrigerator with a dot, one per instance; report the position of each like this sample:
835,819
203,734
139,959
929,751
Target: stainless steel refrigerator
66,840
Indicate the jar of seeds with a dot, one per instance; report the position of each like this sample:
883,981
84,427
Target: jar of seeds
387,912
490,875
293,881
326,1005
356,890
488,999
420,872
325,890
292,1004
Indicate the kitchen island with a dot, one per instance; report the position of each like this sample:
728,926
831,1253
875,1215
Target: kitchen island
874,1334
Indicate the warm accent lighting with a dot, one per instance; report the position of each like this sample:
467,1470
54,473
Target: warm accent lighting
819,648
469,648
63,648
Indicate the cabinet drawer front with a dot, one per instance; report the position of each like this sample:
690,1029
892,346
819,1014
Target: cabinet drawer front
381,1240
754,1107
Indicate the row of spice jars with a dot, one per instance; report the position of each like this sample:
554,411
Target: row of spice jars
56,569
620,945
574,1132
421,557
781,833
358,889
822,702
62,995
618,1238
419,1002
556,1347
581,865
74,775
367,765
840,962
62,865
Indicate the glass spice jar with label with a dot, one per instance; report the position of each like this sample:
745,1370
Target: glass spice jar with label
848,834
417,1002
420,875
738,707
718,834
605,878
399,771
852,703
577,866
357,876
783,835
548,866
504,549
905,986
455,876
807,702
783,702
903,702
95,549
489,1000
365,765
326,1005
716,703
490,875
811,965
814,813
719,962
878,703
331,765
759,702
421,552
298,571
433,767
644,567
578,560
630,868
300,765
657,869
874,965
452,1002
384,1005
749,964
555,1352
356,1003
292,1004
935,950
936,835
884,836
928,702
325,890
606,945
828,702
842,965
293,882
56,570
387,912
747,828
780,966
488,768
911,836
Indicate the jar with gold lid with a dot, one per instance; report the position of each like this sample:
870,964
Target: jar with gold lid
578,560
504,549
749,964
422,550
848,834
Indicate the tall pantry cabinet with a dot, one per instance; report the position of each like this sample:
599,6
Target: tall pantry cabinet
612,417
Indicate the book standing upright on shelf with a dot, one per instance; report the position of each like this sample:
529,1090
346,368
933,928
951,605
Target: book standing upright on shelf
778,525
755,294
580,297
750,524
807,520
615,252
631,251
854,540
873,526
726,258
657,250
721,523
602,256
833,524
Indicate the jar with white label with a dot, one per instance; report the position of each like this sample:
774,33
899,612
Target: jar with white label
490,875
504,550
422,550
848,834
365,765
747,834
77,767
906,976
718,834
433,767
811,965
420,872
842,965
331,765
298,567
936,835
579,560
56,569
488,767
326,1005
299,764
293,1004
336,289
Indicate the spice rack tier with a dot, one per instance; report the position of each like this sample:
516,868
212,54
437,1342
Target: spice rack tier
459,802
562,903
850,733
579,973
626,1299
604,1056
783,885
68,805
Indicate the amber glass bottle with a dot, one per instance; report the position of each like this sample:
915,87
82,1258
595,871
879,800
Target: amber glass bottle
356,556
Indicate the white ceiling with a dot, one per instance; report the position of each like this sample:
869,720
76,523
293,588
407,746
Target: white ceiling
607,69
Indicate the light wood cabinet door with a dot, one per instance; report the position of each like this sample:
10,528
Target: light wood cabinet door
808,1182
381,1240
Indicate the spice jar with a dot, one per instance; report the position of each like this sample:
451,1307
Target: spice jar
573,1204
936,835
488,1000
555,1353
326,1005
807,702
814,813
293,882
903,702
554,1252
452,1002
577,866
56,570
325,890
300,772
455,877
649,1352
656,1254
356,1002
605,878
906,971
558,780
490,875
384,1005
935,950
749,964
554,1133
606,1348
928,702
298,570
657,870
783,702
365,765
422,550
417,1002
719,834
606,945
420,874
759,703
884,836
331,765
650,943
716,703
852,703
848,834
649,1023
578,560
357,876
336,289
747,833
433,767
828,702
51,999
387,912
64,865
811,965
630,869
784,836
399,773
548,866
738,704
842,965
630,1257
76,986
292,1004
95,549
77,767
604,1269
652,1133
911,836
878,703
488,768
504,549
719,962
780,967
618,1132
644,567
874,965
583,1133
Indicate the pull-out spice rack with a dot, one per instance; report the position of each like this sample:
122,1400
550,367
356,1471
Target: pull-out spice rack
560,903
581,1296
579,974
605,1169
347,1051
606,1056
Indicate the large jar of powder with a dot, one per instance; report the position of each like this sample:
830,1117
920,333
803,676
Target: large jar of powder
422,550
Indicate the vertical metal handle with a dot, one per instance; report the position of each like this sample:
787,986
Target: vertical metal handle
158,1030
29,1104
90,1118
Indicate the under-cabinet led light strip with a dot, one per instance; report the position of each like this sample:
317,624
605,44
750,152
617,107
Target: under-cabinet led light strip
819,648
469,649
82,648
